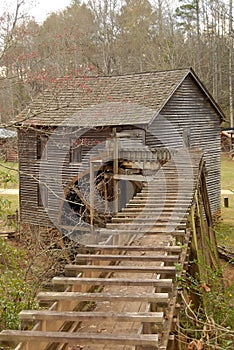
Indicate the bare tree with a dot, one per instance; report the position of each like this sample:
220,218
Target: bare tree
230,61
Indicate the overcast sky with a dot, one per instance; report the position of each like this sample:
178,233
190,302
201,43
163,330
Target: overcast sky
39,9
42,8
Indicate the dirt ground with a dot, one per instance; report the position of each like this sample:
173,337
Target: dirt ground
228,273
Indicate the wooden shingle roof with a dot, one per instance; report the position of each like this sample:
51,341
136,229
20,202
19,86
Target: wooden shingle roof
115,100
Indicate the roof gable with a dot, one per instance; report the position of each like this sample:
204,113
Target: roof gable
209,96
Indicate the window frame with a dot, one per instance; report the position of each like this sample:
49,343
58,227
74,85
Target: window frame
42,147
75,154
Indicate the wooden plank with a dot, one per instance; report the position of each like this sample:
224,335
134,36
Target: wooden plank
133,177
169,184
120,268
147,229
174,249
155,201
48,315
143,218
142,258
165,283
165,192
153,212
139,214
162,204
165,200
154,223
146,218
143,231
79,297
145,214
83,338
157,210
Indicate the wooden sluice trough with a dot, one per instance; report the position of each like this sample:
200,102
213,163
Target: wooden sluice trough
122,293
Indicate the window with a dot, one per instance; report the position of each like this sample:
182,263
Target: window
75,151
42,196
42,150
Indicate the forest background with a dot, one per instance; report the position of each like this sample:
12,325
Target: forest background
109,37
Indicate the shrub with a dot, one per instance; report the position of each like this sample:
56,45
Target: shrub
16,293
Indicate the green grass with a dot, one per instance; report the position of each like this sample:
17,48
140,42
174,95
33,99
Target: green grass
225,229
227,173
9,203
9,175
14,201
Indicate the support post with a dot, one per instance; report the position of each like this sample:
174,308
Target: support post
91,194
115,171
226,203
105,192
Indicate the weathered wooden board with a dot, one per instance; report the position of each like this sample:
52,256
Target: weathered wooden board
74,338
102,296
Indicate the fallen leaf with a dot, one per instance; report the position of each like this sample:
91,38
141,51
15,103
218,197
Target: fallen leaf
195,345
206,287
101,330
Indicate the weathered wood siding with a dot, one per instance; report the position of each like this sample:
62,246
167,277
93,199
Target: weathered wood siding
55,172
189,119
29,176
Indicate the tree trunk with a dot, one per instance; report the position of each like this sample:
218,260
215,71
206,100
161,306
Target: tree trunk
230,63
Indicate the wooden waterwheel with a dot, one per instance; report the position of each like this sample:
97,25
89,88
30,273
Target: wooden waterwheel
76,208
